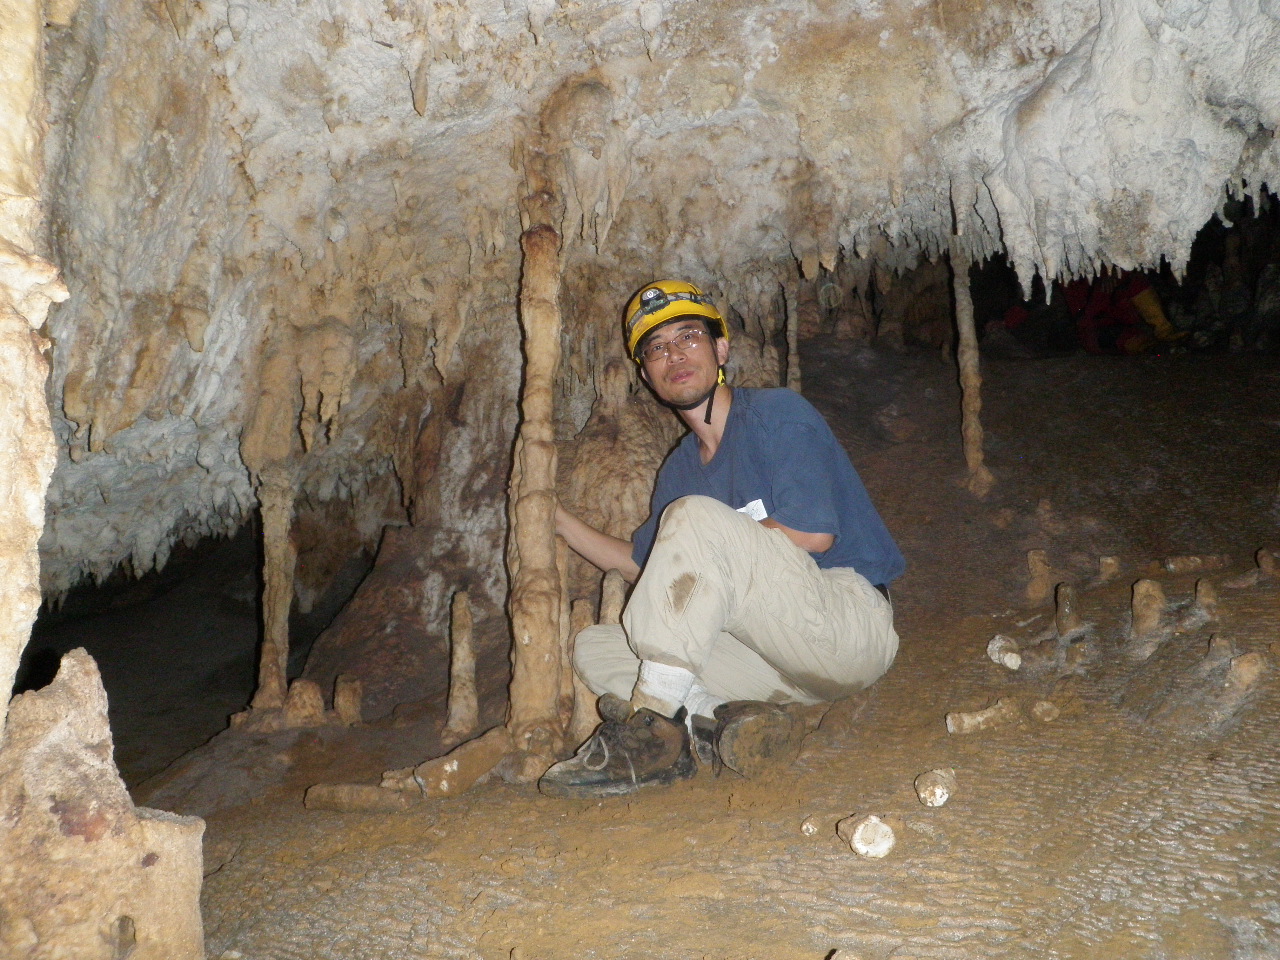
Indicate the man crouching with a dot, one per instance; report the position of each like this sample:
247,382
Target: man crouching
761,576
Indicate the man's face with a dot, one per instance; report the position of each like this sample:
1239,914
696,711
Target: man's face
685,374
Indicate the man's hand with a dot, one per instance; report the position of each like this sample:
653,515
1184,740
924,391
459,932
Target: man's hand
809,542
595,546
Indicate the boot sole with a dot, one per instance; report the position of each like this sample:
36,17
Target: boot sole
684,769
750,745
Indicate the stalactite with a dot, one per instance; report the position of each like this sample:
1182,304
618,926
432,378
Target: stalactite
793,337
533,718
980,478
280,555
464,710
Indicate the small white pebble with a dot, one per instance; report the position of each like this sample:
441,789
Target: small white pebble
809,827
935,787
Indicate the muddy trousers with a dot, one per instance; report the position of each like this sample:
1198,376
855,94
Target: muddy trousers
746,611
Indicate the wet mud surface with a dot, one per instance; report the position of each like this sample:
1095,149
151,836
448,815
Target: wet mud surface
1141,821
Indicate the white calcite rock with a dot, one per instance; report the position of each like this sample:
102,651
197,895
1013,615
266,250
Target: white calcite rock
868,836
1004,651
935,787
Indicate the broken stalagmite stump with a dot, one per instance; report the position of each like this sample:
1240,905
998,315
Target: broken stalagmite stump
348,700
1207,599
1066,619
304,706
1146,631
1040,583
1268,564
1108,570
464,709
936,787
462,766
1001,712
534,714
1268,568
867,836
1004,651
1194,564
980,478
355,798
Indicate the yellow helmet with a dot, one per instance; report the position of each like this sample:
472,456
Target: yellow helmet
665,300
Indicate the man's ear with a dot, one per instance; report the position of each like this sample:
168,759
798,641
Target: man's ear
644,374
722,351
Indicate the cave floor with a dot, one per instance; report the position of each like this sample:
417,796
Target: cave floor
1143,821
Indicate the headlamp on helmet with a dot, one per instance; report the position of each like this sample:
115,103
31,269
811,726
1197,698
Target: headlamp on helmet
666,300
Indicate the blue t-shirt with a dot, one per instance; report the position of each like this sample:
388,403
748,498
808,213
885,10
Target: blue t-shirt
779,458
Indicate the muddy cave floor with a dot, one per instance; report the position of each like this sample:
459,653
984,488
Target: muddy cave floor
1143,822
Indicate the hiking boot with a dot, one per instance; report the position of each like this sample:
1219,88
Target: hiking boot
628,751
752,736
703,740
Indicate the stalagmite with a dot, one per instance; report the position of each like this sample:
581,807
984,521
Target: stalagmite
464,711
534,716
1207,599
980,478
1067,619
1268,563
348,700
1041,583
567,684
1146,631
1108,570
280,555
304,706
585,717
613,596
1148,609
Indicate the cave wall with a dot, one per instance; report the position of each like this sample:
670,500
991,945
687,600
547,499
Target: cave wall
289,230
29,284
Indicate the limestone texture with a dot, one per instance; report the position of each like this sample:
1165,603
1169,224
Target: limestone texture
301,237
83,872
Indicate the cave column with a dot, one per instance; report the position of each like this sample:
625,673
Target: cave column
280,556
28,285
980,478
534,718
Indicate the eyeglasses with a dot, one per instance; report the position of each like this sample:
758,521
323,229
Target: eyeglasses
684,342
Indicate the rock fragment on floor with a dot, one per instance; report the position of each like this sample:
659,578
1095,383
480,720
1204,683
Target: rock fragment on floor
84,873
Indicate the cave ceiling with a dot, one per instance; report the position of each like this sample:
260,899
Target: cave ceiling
290,228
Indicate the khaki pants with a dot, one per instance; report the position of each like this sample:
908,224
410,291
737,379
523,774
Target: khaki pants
746,610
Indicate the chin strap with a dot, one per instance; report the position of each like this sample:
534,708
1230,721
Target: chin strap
709,397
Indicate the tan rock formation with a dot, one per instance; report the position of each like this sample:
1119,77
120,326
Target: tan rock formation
464,709
83,872
537,658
